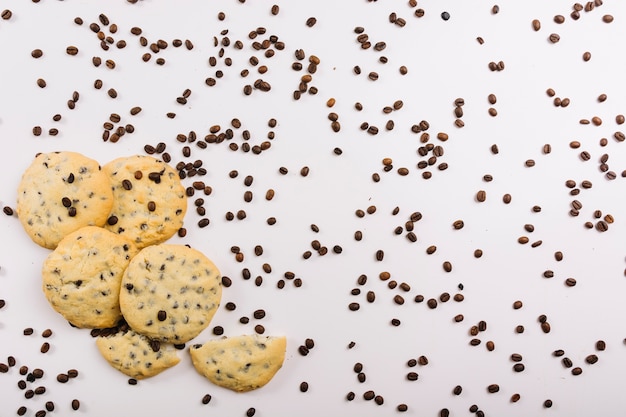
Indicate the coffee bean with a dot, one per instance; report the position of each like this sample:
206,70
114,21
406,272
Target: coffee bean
493,388
536,25
577,371
75,404
570,282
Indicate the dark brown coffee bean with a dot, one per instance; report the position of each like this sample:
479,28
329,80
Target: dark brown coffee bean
570,282
75,404
447,266
45,347
554,38
577,371
493,388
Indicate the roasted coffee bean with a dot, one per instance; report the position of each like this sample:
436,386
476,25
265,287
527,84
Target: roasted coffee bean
75,404
354,306
493,388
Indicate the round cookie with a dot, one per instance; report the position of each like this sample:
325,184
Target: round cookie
60,192
170,292
82,276
149,199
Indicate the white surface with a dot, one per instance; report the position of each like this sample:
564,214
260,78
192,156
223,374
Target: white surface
445,62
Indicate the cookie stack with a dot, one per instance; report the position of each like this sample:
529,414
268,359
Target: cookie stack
106,227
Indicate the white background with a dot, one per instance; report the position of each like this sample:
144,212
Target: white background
444,62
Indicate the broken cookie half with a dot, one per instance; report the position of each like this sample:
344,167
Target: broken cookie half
240,363
136,355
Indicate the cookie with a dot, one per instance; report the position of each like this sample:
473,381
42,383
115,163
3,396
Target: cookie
149,199
240,363
60,192
82,276
135,355
170,292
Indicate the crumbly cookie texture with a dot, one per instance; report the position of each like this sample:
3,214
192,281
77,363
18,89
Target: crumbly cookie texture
170,292
135,355
59,193
240,363
149,199
82,276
